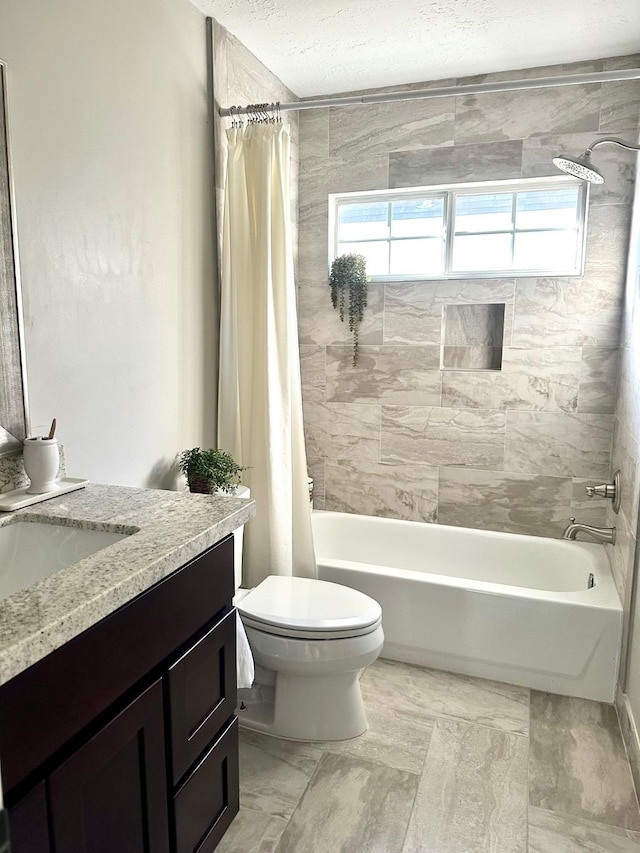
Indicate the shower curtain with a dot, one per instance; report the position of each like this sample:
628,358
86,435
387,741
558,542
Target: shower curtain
260,398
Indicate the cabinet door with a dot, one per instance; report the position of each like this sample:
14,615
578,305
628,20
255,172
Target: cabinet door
111,795
28,823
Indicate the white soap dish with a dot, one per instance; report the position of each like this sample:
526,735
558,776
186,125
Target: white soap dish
18,498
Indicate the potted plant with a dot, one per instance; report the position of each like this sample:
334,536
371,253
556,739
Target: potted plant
349,276
209,471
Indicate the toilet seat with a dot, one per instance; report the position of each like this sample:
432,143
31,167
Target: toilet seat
310,609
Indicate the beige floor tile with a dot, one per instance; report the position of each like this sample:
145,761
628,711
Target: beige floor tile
578,765
252,832
473,793
274,773
417,693
351,805
555,833
393,738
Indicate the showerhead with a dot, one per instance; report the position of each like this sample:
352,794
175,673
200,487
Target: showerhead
579,167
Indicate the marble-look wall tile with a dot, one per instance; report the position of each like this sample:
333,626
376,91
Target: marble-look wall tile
538,152
529,112
441,436
626,459
622,554
531,379
493,161
588,66
564,445
577,761
380,128
558,833
568,311
598,379
514,503
319,323
620,106
472,794
471,358
408,376
413,310
313,373
474,325
352,804
342,431
314,134
608,230
403,491
628,403
315,469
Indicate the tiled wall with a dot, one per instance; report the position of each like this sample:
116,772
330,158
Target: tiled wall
398,437
239,78
626,457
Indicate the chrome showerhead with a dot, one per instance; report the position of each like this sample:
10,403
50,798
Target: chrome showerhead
579,167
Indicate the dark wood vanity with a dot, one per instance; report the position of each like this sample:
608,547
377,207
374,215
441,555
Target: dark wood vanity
125,739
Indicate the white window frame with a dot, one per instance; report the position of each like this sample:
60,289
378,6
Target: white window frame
450,192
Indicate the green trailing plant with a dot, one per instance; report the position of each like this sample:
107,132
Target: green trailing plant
348,277
209,471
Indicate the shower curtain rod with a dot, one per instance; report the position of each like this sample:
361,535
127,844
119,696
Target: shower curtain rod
443,91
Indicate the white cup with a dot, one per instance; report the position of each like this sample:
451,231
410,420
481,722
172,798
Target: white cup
41,458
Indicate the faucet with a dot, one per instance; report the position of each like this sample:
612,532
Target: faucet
600,534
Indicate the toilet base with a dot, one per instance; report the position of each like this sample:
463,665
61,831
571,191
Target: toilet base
309,708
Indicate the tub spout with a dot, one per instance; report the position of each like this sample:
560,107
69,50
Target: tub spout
600,534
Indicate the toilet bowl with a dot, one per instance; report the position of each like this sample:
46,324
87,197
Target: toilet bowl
310,640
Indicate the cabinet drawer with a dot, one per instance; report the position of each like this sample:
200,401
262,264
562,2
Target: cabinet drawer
29,823
208,801
202,693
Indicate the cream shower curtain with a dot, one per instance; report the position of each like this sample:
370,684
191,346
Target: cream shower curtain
260,401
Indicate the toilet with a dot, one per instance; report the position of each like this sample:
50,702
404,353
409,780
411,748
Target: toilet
310,640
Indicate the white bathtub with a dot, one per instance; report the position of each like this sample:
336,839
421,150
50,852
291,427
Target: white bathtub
496,605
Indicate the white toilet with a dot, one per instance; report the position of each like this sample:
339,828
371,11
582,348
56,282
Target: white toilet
310,639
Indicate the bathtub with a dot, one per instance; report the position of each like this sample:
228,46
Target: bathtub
494,605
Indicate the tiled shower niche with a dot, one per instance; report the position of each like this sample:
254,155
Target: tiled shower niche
472,336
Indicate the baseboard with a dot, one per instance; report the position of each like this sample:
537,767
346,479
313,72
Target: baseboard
630,737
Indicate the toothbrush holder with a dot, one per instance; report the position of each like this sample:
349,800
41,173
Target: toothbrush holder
41,458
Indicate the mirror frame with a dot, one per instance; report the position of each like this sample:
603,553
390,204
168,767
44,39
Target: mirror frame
14,411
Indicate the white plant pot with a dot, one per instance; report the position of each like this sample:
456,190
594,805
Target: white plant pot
41,458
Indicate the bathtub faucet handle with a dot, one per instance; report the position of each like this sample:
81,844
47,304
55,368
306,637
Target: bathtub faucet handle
607,490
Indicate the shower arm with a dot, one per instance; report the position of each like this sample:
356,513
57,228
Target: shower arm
612,140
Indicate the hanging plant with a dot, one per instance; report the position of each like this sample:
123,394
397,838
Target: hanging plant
349,275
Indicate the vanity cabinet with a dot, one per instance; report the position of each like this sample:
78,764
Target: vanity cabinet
125,738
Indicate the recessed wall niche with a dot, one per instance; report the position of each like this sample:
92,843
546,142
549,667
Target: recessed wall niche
472,336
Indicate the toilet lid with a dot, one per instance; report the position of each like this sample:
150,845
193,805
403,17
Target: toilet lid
312,608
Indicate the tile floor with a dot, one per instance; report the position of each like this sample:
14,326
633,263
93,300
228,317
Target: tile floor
450,764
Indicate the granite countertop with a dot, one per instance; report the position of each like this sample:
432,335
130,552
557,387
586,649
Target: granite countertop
169,528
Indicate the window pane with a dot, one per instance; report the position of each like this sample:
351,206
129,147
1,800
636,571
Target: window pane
366,221
417,257
484,252
376,255
550,250
417,217
547,208
480,212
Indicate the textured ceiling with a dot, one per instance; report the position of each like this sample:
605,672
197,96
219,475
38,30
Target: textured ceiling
328,46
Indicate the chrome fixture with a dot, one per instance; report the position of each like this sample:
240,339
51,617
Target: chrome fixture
600,534
582,167
612,491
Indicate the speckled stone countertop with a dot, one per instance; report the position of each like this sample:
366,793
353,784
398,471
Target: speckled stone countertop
170,529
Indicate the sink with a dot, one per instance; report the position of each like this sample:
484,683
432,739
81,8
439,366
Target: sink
31,551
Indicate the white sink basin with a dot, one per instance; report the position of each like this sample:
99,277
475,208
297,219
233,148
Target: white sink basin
31,551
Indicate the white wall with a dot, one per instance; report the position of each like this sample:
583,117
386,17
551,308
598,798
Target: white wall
112,161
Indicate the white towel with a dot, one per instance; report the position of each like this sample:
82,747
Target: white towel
244,658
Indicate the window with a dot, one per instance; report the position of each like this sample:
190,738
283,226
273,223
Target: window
503,228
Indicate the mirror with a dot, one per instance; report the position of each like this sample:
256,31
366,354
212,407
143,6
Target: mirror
13,409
